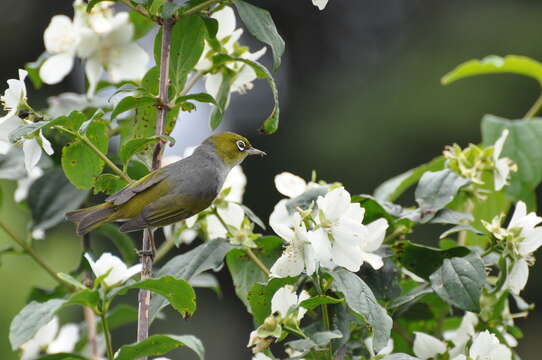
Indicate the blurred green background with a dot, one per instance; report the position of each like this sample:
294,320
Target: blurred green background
361,101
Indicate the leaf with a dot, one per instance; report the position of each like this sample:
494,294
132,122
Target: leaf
159,345
121,315
87,297
260,295
317,340
177,292
51,196
245,273
523,146
459,281
437,189
412,296
132,102
384,282
318,300
459,228
12,165
81,165
260,24
493,64
62,356
26,131
109,184
151,80
409,255
222,99
187,43
134,146
122,241
360,299
391,189
72,281
207,256
142,24
399,356
253,217
201,97
31,318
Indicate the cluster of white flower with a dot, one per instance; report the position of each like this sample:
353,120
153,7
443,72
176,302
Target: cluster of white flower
51,340
484,346
104,39
111,269
228,36
329,235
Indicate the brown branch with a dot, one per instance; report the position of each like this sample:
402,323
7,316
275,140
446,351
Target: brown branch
147,252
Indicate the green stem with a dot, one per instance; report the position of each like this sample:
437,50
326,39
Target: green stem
199,7
534,109
138,8
107,335
28,249
163,250
249,251
98,152
193,80
325,312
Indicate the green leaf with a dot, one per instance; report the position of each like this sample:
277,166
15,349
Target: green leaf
384,282
142,24
62,356
87,297
81,165
207,256
523,146
187,42
316,341
244,272
71,280
399,356
318,300
31,318
134,146
33,69
159,345
132,102
409,255
151,80
51,196
122,241
26,131
493,64
260,24
437,189
222,99
361,301
253,217
201,97
391,189
411,297
177,292
109,184
121,315
259,297
459,281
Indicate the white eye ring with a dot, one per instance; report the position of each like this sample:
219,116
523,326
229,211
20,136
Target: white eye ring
241,145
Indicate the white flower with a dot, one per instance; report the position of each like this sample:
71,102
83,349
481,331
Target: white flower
14,96
286,298
386,350
486,346
503,166
67,102
232,215
427,346
109,264
50,339
298,254
261,356
290,185
461,336
320,4
113,50
61,39
236,182
341,238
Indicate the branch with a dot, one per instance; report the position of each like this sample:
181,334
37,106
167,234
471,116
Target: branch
28,249
138,8
199,7
147,251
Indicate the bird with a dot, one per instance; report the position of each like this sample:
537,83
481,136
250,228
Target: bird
171,193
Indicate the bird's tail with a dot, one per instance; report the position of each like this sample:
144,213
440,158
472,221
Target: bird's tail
90,218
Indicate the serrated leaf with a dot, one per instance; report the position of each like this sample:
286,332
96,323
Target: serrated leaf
360,299
80,164
260,24
159,345
409,255
459,281
30,319
177,292
207,256
435,190
51,196
493,64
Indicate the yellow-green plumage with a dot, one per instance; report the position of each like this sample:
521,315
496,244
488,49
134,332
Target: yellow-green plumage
172,193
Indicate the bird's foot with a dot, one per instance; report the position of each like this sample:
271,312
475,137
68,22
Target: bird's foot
150,253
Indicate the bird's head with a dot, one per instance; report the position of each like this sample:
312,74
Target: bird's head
232,148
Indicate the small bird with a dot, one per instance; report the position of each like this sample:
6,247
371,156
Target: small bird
173,192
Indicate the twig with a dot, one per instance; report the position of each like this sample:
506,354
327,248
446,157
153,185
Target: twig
28,249
140,9
146,256
97,151
534,109
325,312
90,319
107,335
199,7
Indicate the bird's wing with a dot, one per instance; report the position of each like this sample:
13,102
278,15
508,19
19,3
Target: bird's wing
168,210
140,185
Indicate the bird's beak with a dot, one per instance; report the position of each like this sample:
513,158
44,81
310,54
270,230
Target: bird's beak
254,151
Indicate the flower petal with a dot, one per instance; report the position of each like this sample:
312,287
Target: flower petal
497,148
374,234
517,279
290,185
93,71
32,154
46,145
232,215
320,4
130,64
55,68
321,245
427,346
373,259
283,299
334,204
65,341
226,22
531,242
349,257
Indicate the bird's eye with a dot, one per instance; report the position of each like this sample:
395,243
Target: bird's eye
241,145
